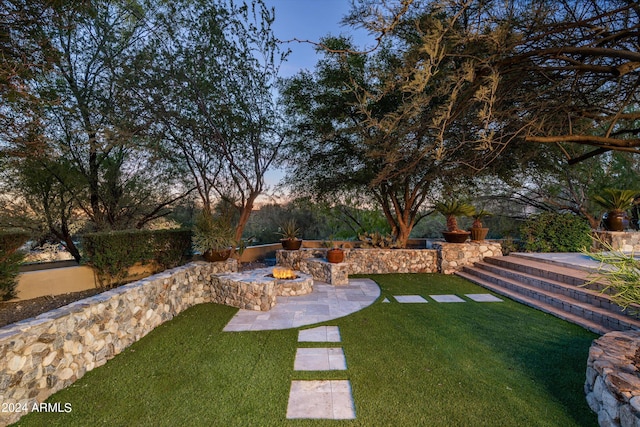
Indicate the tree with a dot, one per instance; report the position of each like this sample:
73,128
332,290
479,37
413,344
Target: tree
77,121
405,121
212,97
575,70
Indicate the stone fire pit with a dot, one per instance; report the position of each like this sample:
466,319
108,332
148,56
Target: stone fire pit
257,289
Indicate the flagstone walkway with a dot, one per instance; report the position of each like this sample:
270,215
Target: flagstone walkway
320,399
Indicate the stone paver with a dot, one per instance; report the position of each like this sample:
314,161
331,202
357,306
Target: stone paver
483,298
386,300
320,359
405,299
320,334
447,298
327,399
325,303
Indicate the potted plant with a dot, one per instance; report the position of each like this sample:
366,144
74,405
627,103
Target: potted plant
616,202
452,209
290,232
335,253
478,231
213,237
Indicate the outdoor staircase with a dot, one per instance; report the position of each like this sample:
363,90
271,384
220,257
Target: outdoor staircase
553,288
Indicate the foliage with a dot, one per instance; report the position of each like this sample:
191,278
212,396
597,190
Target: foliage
477,216
289,230
111,254
396,123
619,272
556,232
451,209
10,260
613,199
377,240
211,98
213,233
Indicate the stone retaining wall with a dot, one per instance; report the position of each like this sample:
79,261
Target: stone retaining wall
42,355
626,241
612,385
445,258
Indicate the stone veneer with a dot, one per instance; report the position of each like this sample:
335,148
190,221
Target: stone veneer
626,241
453,256
42,355
612,385
444,258
261,288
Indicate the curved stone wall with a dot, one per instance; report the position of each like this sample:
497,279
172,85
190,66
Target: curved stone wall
613,385
42,355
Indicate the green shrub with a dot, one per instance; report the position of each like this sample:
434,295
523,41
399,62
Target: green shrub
112,253
620,273
554,232
10,260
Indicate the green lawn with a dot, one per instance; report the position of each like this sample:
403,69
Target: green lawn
471,364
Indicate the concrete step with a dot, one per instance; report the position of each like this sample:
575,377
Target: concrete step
535,303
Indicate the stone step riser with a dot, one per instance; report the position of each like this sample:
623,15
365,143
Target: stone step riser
534,271
587,324
607,321
574,292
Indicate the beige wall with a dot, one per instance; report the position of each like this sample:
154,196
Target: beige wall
55,281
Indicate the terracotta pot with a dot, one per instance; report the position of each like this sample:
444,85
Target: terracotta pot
335,256
216,256
290,244
456,236
479,233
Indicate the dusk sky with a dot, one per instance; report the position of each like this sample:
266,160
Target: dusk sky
308,20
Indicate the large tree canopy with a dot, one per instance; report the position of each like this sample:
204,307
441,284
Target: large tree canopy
412,117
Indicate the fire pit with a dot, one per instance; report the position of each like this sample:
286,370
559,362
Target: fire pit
283,273
257,289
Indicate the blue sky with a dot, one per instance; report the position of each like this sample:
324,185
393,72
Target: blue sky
308,20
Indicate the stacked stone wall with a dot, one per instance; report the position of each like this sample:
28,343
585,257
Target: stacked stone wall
626,241
42,355
444,258
612,385
453,257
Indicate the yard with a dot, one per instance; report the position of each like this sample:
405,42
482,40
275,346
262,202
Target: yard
464,364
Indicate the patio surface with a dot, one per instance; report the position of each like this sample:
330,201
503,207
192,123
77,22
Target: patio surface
326,302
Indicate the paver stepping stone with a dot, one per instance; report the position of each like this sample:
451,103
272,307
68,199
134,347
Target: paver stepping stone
404,299
447,298
483,297
320,359
386,300
320,334
327,399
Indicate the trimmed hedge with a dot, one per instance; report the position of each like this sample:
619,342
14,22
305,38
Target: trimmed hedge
112,253
10,260
555,232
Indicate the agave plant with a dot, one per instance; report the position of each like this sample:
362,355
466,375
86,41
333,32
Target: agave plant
289,230
452,209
